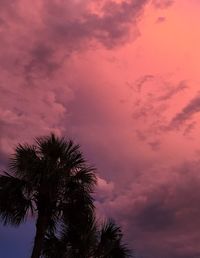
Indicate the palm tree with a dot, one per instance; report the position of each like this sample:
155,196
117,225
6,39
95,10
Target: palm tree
45,179
87,241
73,241
110,244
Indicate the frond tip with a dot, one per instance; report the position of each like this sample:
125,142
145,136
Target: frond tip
14,204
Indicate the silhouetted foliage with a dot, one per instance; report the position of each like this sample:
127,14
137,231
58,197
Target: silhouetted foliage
52,181
88,241
45,179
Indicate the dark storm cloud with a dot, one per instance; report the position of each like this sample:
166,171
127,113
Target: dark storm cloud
58,29
42,63
111,28
154,217
163,220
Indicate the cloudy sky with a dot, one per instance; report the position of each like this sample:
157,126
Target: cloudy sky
120,77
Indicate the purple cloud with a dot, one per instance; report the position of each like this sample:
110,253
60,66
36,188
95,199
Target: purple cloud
163,218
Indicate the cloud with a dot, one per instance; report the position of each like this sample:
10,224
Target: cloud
160,19
155,145
162,3
39,40
171,91
187,113
153,108
50,31
40,44
141,81
162,218
155,217
104,190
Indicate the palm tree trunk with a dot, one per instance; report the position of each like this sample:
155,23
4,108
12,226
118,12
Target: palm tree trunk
41,226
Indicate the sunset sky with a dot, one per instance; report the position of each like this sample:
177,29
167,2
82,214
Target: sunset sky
121,78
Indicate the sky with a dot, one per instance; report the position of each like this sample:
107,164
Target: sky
121,78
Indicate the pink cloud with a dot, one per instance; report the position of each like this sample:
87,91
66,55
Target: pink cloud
163,3
192,108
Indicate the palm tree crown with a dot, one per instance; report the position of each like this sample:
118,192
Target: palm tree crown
47,179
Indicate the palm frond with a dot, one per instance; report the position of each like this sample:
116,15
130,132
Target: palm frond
86,177
50,147
119,251
54,148
25,163
110,242
53,247
15,200
110,231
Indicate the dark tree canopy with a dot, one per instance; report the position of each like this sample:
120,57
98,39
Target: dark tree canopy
87,239
45,179
52,181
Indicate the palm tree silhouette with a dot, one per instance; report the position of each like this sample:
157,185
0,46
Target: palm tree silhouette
87,240
46,179
110,244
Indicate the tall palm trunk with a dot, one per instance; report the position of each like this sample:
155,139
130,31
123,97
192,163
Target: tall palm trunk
41,227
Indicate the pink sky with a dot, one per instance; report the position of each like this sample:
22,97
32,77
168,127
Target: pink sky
122,79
